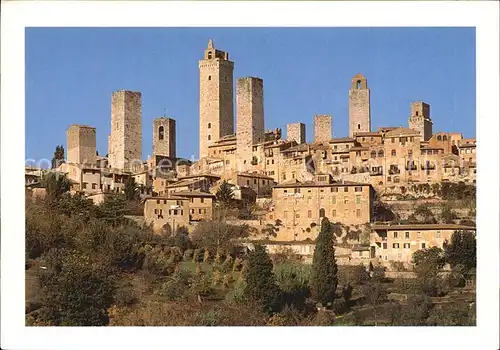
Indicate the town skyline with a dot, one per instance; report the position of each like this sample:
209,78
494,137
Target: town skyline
390,106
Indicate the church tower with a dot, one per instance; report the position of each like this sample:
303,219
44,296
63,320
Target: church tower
216,97
420,119
359,106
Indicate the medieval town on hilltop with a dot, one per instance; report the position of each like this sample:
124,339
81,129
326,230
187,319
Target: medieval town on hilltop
292,183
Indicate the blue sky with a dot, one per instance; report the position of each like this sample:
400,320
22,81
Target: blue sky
71,73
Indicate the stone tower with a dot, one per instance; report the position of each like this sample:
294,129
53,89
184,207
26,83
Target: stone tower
81,144
125,140
296,132
322,128
359,106
420,119
249,118
164,137
216,97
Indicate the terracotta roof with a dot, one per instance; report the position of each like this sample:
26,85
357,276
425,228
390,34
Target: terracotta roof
193,194
342,139
423,227
367,133
401,132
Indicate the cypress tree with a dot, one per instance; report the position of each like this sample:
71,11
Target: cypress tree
324,269
260,280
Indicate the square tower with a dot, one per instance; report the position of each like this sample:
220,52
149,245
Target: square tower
296,132
420,119
164,137
249,118
125,141
216,97
81,144
322,128
359,106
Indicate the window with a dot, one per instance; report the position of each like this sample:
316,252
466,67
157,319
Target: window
334,213
373,154
358,189
406,245
410,152
393,153
380,153
384,245
209,77
322,213
392,140
84,185
346,200
285,214
438,234
346,189
419,235
209,125
248,182
161,131
395,235
334,189
439,137
94,186
175,211
358,199
209,137
254,181
202,200
359,126
395,245
423,245
199,211
156,211
297,215
309,214
358,213
407,235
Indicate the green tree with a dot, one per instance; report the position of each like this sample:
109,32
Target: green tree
433,256
448,215
260,280
224,195
112,209
55,184
422,215
77,290
131,189
324,269
461,250
58,157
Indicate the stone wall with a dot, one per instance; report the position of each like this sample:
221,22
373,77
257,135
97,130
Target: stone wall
81,144
296,132
164,138
359,106
216,97
126,130
322,128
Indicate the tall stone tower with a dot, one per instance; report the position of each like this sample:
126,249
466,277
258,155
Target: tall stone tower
322,128
420,119
359,106
296,132
125,140
164,137
249,118
216,97
81,144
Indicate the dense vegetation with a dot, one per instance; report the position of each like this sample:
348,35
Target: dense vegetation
89,265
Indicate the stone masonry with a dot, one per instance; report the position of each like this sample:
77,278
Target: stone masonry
420,119
216,97
81,144
322,128
125,141
249,119
296,132
164,137
359,106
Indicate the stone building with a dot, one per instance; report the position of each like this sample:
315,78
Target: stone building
81,145
296,132
261,184
216,97
399,242
164,140
359,106
160,211
300,206
322,128
125,140
420,119
249,119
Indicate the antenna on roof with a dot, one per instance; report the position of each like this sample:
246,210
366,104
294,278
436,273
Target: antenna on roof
164,112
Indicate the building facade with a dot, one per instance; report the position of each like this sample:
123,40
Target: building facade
81,144
359,106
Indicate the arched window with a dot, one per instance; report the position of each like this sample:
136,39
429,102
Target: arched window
160,132
209,55
359,126
439,137
358,84
209,137
373,154
209,125
209,77
416,113
381,153
322,213
445,138
393,153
